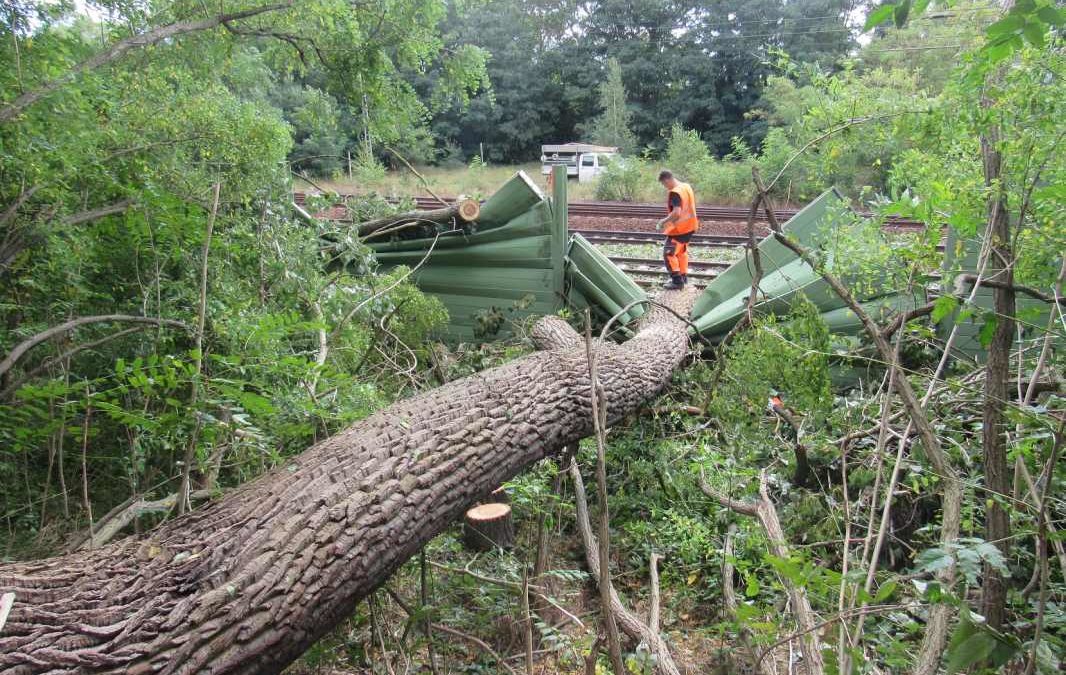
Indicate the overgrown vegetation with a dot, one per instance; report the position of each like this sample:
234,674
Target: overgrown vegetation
171,330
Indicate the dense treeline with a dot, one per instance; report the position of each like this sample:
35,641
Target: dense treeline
702,65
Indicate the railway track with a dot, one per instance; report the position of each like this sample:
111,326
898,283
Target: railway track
648,211
645,271
622,237
648,271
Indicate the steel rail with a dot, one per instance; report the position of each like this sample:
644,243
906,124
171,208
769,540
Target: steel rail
635,210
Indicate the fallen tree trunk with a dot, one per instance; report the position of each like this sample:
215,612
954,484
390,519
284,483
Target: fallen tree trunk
248,583
463,211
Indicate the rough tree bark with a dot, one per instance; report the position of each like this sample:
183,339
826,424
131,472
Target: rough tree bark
466,211
248,583
997,371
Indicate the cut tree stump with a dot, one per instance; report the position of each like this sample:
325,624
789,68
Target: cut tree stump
488,527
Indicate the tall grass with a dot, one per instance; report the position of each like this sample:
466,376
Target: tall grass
725,181
477,181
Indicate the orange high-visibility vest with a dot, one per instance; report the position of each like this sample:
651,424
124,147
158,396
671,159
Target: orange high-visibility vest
687,222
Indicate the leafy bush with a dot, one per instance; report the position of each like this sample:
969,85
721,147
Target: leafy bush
686,153
624,180
366,168
725,181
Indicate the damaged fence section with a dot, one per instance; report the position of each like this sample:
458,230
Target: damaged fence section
499,269
518,260
786,278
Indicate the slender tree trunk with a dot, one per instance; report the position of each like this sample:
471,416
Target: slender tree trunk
599,418
198,345
248,583
997,373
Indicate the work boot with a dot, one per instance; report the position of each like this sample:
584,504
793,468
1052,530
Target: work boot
676,283
684,280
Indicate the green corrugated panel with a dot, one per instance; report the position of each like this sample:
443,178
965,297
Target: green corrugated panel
531,223
843,321
518,195
531,251
804,227
963,255
508,263
560,208
785,276
601,282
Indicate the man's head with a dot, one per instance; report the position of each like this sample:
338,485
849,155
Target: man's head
667,179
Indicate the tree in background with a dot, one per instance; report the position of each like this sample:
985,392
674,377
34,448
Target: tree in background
531,101
701,65
145,174
612,126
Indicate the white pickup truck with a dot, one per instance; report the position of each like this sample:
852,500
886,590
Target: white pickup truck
582,160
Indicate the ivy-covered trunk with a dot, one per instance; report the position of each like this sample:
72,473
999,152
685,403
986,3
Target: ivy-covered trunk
248,583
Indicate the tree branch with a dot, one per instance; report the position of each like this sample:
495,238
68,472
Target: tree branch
599,421
1018,288
764,510
29,343
48,363
627,621
97,213
120,48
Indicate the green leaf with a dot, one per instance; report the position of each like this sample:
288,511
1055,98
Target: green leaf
1050,15
1034,33
902,11
943,306
974,642
885,592
965,653
991,554
1008,24
933,559
256,404
879,16
752,587
998,49
988,330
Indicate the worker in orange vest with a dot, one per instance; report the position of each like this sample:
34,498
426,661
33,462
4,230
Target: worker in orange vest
679,225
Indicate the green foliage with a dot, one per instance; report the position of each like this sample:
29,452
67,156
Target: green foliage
970,554
725,181
612,126
685,151
366,168
548,62
625,179
789,358
142,142
973,643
